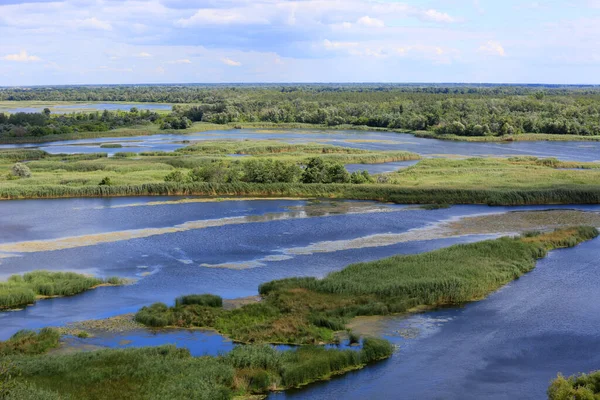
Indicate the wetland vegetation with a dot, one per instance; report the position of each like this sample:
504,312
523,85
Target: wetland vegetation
298,170
23,290
167,372
313,311
576,387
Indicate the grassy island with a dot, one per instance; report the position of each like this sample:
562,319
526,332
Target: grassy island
277,169
22,290
311,311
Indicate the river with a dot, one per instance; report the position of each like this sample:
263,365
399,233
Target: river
377,141
507,346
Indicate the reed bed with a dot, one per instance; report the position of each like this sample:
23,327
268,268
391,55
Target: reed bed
167,372
572,194
22,290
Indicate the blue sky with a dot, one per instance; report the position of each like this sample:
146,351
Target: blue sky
183,41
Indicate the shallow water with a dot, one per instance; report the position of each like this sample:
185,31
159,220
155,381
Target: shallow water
64,109
380,168
199,342
576,151
507,346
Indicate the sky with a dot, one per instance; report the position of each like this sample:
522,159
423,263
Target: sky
45,42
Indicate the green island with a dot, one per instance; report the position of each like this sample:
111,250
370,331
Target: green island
22,290
278,169
303,311
467,112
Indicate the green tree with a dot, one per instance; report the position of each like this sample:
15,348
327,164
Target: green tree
315,171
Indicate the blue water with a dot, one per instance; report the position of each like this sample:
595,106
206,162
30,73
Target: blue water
63,109
576,151
380,168
199,342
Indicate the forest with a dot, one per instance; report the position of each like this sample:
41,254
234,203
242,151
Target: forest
444,110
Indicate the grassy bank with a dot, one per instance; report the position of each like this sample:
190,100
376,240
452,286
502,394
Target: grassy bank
576,387
309,310
23,290
167,372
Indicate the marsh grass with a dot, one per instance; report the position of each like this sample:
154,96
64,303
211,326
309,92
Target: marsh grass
30,342
167,372
516,181
208,300
22,290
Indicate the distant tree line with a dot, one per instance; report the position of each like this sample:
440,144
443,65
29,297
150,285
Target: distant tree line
44,123
457,110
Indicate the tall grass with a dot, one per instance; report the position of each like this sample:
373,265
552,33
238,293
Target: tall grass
30,342
208,300
169,373
576,194
22,290
17,155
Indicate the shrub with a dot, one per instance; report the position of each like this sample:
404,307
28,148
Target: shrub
157,316
208,300
21,170
175,176
30,342
105,181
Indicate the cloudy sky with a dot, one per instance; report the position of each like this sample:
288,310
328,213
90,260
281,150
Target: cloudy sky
181,41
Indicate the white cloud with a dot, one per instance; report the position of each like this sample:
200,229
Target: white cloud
143,54
182,61
492,48
209,16
93,23
329,45
22,56
160,70
230,62
370,22
436,16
